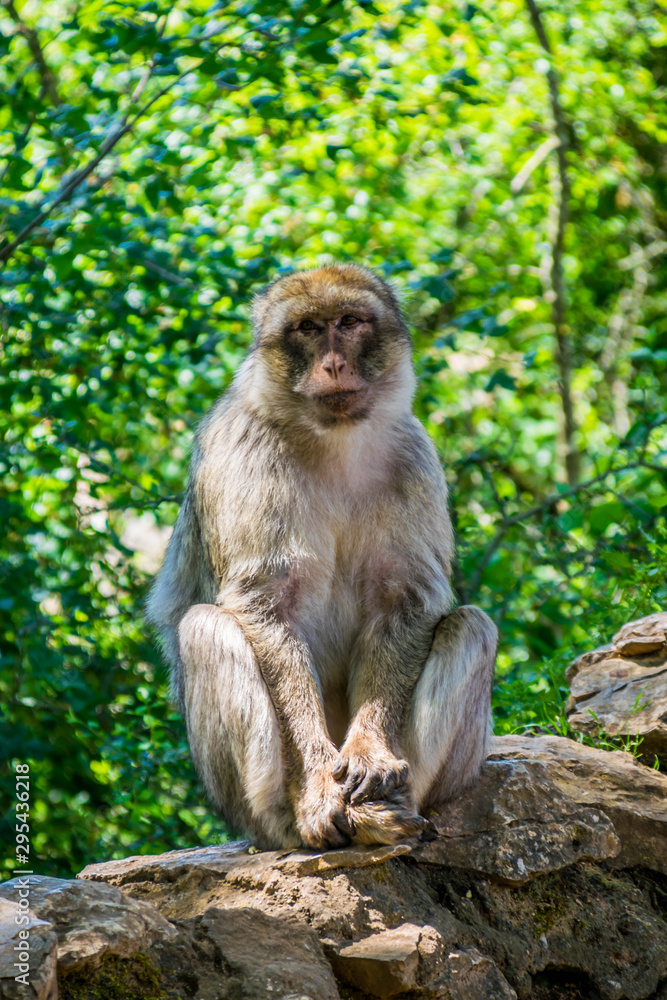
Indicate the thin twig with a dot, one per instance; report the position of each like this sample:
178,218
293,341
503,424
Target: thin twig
175,279
532,163
80,175
148,72
559,304
551,501
111,472
32,38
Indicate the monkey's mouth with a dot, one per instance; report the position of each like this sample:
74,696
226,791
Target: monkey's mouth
342,402
350,403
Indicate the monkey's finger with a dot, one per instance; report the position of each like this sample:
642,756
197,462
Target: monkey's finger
355,775
340,768
367,789
335,838
324,835
342,822
416,824
395,780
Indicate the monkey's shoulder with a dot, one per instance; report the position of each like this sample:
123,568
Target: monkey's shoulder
414,458
233,445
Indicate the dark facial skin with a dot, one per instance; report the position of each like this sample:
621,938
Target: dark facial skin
329,357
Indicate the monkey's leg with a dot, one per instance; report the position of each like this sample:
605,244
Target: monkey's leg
448,723
232,727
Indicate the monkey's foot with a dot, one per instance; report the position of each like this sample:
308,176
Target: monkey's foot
382,822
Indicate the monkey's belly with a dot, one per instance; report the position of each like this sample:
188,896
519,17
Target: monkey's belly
331,631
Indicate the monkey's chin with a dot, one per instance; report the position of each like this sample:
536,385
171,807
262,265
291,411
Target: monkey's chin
339,407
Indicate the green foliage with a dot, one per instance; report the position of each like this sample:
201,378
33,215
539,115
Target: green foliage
162,161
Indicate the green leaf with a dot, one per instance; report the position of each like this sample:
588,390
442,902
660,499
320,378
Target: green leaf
438,287
261,100
320,52
501,378
604,514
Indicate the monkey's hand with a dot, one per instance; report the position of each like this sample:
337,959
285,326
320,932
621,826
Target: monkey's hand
369,771
321,816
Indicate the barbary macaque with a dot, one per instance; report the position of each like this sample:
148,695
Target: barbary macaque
331,692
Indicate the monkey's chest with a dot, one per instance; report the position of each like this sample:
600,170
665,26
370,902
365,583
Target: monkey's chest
341,561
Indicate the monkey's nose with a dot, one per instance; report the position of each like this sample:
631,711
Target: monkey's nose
333,364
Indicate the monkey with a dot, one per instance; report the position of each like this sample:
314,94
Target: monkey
331,690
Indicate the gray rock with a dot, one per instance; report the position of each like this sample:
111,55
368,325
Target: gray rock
633,796
621,688
90,919
515,823
270,956
27,954
235,860
417,960
382,964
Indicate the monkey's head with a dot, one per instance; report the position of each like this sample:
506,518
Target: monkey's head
333,343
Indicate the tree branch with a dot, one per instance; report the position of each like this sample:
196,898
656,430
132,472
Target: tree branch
540,154
550,501
81,175
32,38
559,304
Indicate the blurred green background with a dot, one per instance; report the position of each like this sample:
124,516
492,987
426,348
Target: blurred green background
503,163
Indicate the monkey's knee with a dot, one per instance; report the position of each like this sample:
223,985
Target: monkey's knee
232,726
203,629
449,723
467,629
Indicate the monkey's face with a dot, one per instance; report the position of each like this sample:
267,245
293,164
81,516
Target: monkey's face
334,339
329,362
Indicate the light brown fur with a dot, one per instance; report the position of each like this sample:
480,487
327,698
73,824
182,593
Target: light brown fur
329,691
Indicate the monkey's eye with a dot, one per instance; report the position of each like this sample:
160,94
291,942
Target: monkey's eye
307,326
349,321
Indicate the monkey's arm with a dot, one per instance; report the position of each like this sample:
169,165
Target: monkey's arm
389,657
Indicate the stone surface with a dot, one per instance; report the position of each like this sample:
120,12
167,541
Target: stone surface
516,823
645,635
606,928
381,964
234,860
622,687
90,919
37,974
416,960
270,956
546,880
633,796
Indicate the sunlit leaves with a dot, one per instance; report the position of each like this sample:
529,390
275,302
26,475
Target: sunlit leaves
289,134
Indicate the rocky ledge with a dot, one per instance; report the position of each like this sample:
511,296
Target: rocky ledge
621,689
547,879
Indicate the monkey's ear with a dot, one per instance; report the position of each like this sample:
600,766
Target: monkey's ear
258,306
260,299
